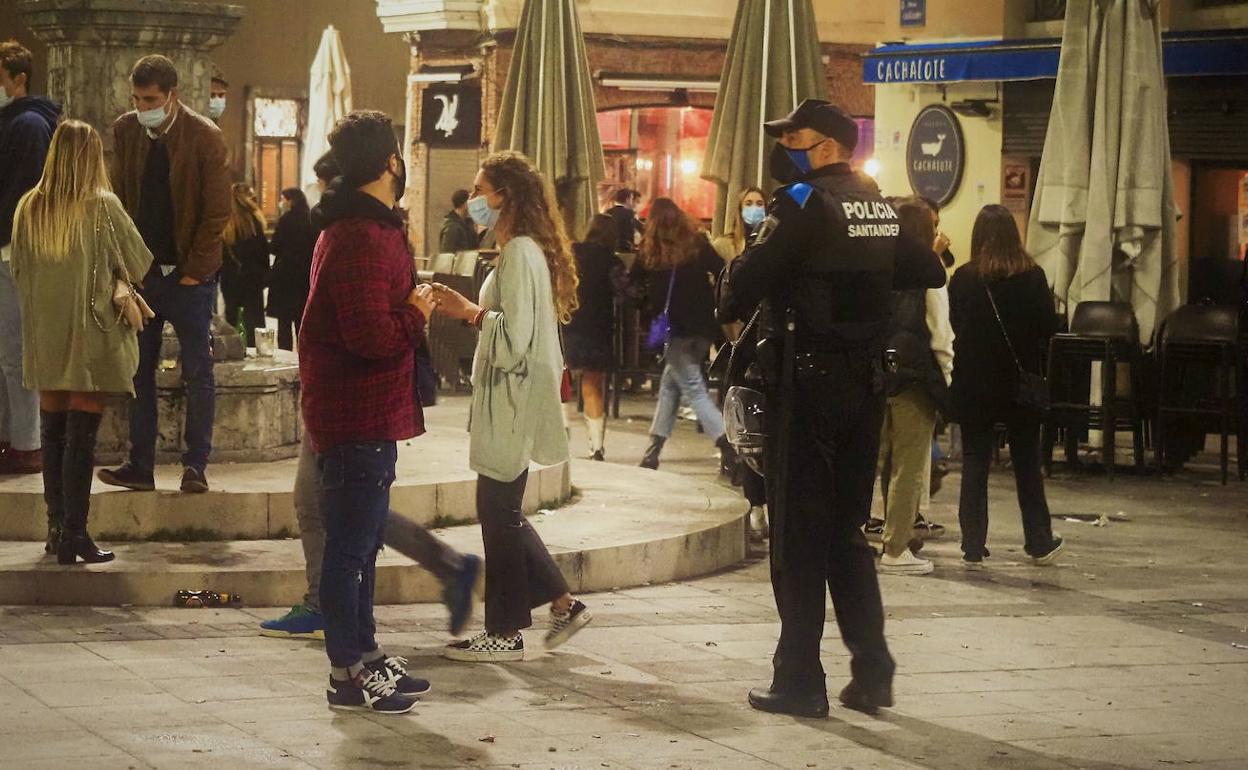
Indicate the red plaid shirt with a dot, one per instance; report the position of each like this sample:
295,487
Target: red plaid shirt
358,337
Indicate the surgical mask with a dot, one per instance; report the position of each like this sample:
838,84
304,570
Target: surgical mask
801,156
5,99
781,166
153,118
753,215
216,107
400,182
482,212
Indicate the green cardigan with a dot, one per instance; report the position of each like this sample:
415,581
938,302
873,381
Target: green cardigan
63,347
517,417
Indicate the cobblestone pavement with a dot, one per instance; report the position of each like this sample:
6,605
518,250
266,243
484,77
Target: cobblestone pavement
1132,653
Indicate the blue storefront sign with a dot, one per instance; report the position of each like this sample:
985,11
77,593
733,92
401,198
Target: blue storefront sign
1216,52
913,13
935,154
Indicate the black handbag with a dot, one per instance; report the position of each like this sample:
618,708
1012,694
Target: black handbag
1032,391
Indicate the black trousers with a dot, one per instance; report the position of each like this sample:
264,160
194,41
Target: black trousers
251,302
519,572
838,411
287,332
754,487
1023,430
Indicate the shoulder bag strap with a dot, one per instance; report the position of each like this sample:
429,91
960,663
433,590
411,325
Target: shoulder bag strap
671,284
1001,325
107,243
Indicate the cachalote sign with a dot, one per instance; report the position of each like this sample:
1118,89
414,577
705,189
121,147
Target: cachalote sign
935,154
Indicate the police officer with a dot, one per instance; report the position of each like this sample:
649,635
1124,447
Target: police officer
821,270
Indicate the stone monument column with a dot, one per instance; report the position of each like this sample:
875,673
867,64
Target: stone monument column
92,44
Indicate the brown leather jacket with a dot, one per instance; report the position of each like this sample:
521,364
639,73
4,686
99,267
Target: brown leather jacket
199,176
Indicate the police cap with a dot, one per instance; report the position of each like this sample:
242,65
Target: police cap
824,117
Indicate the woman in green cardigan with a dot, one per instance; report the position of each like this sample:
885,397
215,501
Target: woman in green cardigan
517,417
71,239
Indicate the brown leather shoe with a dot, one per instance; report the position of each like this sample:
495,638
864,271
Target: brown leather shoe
15,462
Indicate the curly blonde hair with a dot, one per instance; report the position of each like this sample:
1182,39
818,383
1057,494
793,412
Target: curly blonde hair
529,209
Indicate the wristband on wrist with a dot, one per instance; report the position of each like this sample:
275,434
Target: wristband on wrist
478,318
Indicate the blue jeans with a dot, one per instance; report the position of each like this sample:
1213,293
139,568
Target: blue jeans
355,484
19,407
189,309
682,376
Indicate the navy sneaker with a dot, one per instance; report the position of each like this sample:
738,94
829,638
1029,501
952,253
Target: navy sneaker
299,623
457,593
395,669
371,691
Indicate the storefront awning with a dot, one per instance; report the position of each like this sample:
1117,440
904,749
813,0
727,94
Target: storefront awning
1217,52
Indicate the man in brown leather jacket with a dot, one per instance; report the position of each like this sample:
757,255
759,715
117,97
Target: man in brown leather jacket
170,169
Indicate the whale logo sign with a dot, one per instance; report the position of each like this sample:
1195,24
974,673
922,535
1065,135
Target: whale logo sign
935,154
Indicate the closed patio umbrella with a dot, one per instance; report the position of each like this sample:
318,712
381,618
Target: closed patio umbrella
329,99
547,107
773,63
1103,221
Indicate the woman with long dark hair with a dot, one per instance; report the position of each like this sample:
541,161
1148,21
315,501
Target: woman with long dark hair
588,337
1000,307
293,243
516,415
677,264
245,266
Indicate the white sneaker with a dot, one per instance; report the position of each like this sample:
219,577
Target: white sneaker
564,625
486,648
905,564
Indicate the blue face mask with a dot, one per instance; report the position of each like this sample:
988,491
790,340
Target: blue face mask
482,213
753,215
801,157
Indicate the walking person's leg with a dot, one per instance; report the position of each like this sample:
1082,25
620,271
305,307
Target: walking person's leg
1039,541
520,574
593,390
304,620
664,415
913,418
973,501
685,357
21,406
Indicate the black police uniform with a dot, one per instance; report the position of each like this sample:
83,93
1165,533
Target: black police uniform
829,260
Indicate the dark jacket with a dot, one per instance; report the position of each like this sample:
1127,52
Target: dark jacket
909,335
359,335
245,268
26,127
603,277
293,242
458,234
692,311
627,227
984,375
199,176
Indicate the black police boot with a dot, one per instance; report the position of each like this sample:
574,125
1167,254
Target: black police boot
865,698
651,458
813,705
52,440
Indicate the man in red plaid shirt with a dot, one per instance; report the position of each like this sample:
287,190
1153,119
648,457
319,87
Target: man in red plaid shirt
357,340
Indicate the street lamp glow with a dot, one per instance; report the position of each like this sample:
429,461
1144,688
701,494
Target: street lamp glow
688,167
871,167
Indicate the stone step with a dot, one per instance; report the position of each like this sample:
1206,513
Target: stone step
628,527
255,500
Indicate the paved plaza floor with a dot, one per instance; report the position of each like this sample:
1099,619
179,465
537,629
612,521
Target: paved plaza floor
1131,653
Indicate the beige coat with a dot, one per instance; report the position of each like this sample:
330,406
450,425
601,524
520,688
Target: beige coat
517,417
63,346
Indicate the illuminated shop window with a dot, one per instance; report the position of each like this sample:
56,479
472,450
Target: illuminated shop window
277,118
658,151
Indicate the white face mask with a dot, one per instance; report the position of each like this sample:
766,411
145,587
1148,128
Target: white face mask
154,117
216,107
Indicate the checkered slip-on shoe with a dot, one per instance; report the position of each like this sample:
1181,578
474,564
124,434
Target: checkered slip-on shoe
486,648
563,625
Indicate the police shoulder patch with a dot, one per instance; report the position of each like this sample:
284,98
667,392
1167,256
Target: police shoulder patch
800,193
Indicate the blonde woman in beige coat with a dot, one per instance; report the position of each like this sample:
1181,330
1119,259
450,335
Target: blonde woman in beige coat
71,241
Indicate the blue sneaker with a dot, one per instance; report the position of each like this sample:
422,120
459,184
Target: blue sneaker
457,593
299,623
